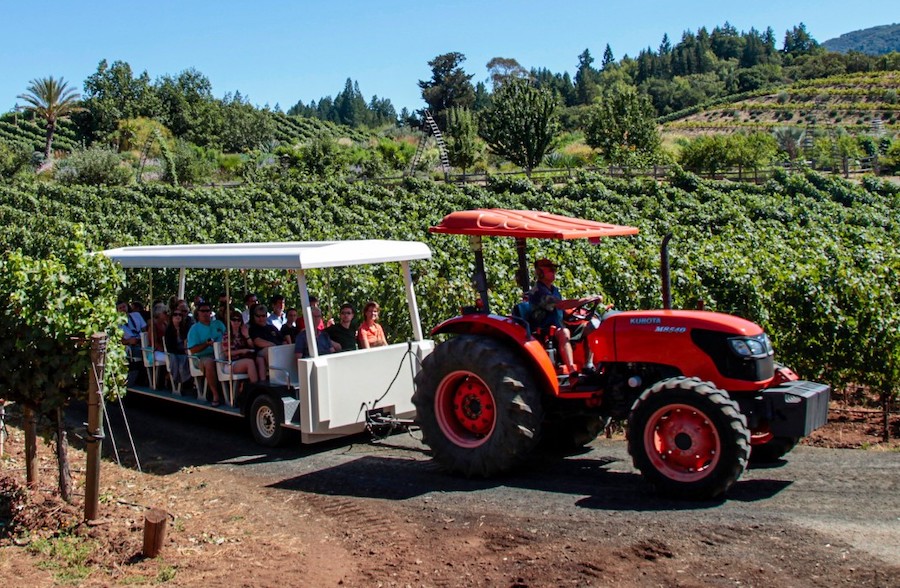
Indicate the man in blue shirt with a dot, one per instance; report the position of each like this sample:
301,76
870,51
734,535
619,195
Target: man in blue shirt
131,338
200,341
546,310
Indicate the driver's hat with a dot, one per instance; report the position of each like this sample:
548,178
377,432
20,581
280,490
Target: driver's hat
544,262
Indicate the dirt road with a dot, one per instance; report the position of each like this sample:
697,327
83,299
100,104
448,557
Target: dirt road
361,514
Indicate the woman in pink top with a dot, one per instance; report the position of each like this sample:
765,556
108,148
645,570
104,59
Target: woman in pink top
370,333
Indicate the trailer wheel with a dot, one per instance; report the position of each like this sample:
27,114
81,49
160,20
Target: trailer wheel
688,438
773,449
478,405
266,417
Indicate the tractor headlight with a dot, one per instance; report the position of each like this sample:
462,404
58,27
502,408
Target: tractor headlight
754,347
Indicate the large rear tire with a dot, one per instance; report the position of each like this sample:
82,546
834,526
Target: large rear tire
688,438
478,405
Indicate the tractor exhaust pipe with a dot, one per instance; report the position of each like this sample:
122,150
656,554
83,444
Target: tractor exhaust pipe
664,272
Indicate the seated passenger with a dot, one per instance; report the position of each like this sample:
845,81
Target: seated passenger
238,345
263,335
324,344
292,326
157,332
176,339
131,338
344,332
200,341
370,333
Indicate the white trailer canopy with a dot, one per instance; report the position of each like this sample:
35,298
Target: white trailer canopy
288,255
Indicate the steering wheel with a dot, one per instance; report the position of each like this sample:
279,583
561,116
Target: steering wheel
586,310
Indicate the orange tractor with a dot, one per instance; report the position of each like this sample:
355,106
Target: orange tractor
700,390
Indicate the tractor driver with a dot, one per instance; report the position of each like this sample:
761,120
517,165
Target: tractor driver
547,306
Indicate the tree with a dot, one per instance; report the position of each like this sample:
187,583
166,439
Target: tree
502,69
113,94
789,140
622,126
751,151
449,86
521,124
608,58
188,108
585,79
462,139
798,41
51,100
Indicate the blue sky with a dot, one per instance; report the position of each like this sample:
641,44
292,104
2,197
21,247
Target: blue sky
279,52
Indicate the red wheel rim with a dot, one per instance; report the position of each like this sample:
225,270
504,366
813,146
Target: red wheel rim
465,409
682,442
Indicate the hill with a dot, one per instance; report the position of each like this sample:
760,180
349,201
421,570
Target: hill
863,103
878,40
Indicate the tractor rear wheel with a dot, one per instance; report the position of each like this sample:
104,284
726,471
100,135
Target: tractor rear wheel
688,438
478,405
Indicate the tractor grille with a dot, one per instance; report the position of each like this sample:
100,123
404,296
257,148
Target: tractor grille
715,344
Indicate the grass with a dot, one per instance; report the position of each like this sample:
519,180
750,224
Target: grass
67,556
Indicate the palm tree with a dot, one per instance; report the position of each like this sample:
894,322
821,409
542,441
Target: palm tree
790,140
51,100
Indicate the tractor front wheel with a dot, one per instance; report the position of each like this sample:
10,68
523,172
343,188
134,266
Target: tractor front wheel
478,405
688,438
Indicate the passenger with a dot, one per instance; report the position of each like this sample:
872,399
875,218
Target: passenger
186,314
139,308
224,306
176,339
343,333
324,344
242,351
250,301
200,341
263,336
370,333
158,332
291,325
277,318
131,338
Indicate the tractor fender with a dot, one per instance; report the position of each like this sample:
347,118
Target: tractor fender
511,331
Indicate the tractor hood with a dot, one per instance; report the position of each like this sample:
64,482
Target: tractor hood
729,350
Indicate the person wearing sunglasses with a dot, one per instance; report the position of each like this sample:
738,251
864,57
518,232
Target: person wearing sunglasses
263,335
343,332
239,349
201,337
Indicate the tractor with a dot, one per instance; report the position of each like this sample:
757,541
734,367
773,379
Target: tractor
700,390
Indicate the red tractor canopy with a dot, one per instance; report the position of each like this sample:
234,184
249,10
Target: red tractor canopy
521,225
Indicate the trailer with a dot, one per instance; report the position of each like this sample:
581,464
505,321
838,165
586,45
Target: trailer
323,396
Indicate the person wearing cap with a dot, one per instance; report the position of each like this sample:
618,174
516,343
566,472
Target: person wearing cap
547,305
200,340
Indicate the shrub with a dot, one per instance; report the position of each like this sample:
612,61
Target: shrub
95,166
15,157
193,164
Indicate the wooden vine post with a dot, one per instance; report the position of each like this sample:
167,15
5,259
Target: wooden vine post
154,531
94,435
